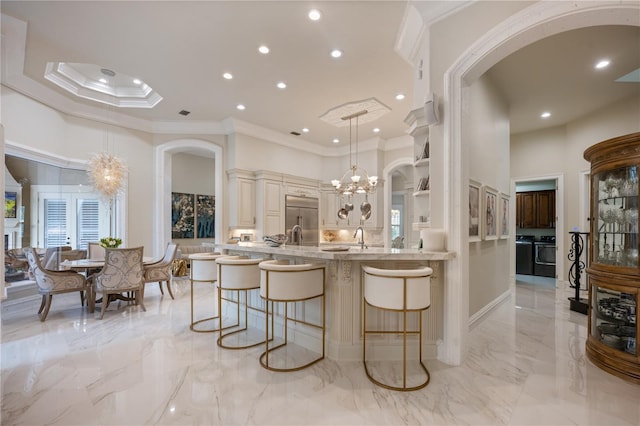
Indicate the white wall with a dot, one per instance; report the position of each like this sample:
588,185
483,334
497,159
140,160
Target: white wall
560,151
447,41
486,140
192,174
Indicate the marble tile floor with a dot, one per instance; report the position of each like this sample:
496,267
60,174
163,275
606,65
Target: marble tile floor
525,366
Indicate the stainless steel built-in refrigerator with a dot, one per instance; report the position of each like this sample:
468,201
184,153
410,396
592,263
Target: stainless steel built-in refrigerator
302,211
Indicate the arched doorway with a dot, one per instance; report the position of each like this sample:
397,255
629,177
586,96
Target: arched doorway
163,154
534,23
387,174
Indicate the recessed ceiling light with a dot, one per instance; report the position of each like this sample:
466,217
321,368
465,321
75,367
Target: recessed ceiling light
399,96
335,53
336,140
241,107
376,130
315,15
227,75
103,80
305,130
281,85
603,64
137,81
545,114
263,49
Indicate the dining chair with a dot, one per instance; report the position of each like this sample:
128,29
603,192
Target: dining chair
95,251
160,271
53,282
55,255
123,272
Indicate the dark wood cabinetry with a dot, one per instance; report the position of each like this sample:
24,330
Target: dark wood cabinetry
614,271
536,209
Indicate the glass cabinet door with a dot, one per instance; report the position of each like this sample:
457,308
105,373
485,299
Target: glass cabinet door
615,211
614,319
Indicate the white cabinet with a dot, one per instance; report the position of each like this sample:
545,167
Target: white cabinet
269,204
301,187
329,210
242,199
246,203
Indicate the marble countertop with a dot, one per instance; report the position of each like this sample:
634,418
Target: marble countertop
324,252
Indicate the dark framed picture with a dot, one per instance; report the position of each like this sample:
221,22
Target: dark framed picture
182,215
474,210
490,213
205,213
10,205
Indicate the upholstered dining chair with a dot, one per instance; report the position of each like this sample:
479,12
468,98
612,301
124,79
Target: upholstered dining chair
95,251
53,282
123,272
51,259
160,271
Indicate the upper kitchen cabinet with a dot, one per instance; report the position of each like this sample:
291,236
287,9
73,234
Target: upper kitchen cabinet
269,204
614,270
242,199
536,209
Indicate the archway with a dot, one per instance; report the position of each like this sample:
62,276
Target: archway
387,197
163,154
534,23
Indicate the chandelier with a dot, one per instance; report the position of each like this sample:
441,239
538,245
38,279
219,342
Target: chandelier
355,180
107,174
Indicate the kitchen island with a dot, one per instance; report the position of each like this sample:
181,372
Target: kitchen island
344,297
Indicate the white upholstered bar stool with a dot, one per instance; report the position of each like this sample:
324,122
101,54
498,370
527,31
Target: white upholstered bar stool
398,290
286,283
238,274
203,270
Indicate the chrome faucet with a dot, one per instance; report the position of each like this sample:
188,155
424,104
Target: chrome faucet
296,231
355,234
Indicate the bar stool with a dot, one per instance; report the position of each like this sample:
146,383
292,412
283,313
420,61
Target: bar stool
396,290
237,273
203,270
284,282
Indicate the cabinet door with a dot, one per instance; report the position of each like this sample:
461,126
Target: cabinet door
272,198
246,203
546,210
528,210
329,210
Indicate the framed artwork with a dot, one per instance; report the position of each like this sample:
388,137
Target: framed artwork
489,213
205,209
245,237
504,216
10,209
474,211
182,215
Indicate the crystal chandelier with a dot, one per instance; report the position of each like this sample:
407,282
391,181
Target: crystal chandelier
107,174
355,180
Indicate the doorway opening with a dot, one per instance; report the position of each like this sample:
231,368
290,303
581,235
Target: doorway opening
537,230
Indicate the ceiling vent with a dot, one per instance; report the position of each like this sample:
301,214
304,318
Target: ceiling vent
184,112
295,133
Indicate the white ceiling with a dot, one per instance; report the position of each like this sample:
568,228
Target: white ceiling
181,49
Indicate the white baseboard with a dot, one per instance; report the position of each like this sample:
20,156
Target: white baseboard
473,319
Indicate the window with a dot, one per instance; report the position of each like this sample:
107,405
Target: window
396,223
68,216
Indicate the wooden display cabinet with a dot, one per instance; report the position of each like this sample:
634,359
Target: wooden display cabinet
614,271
